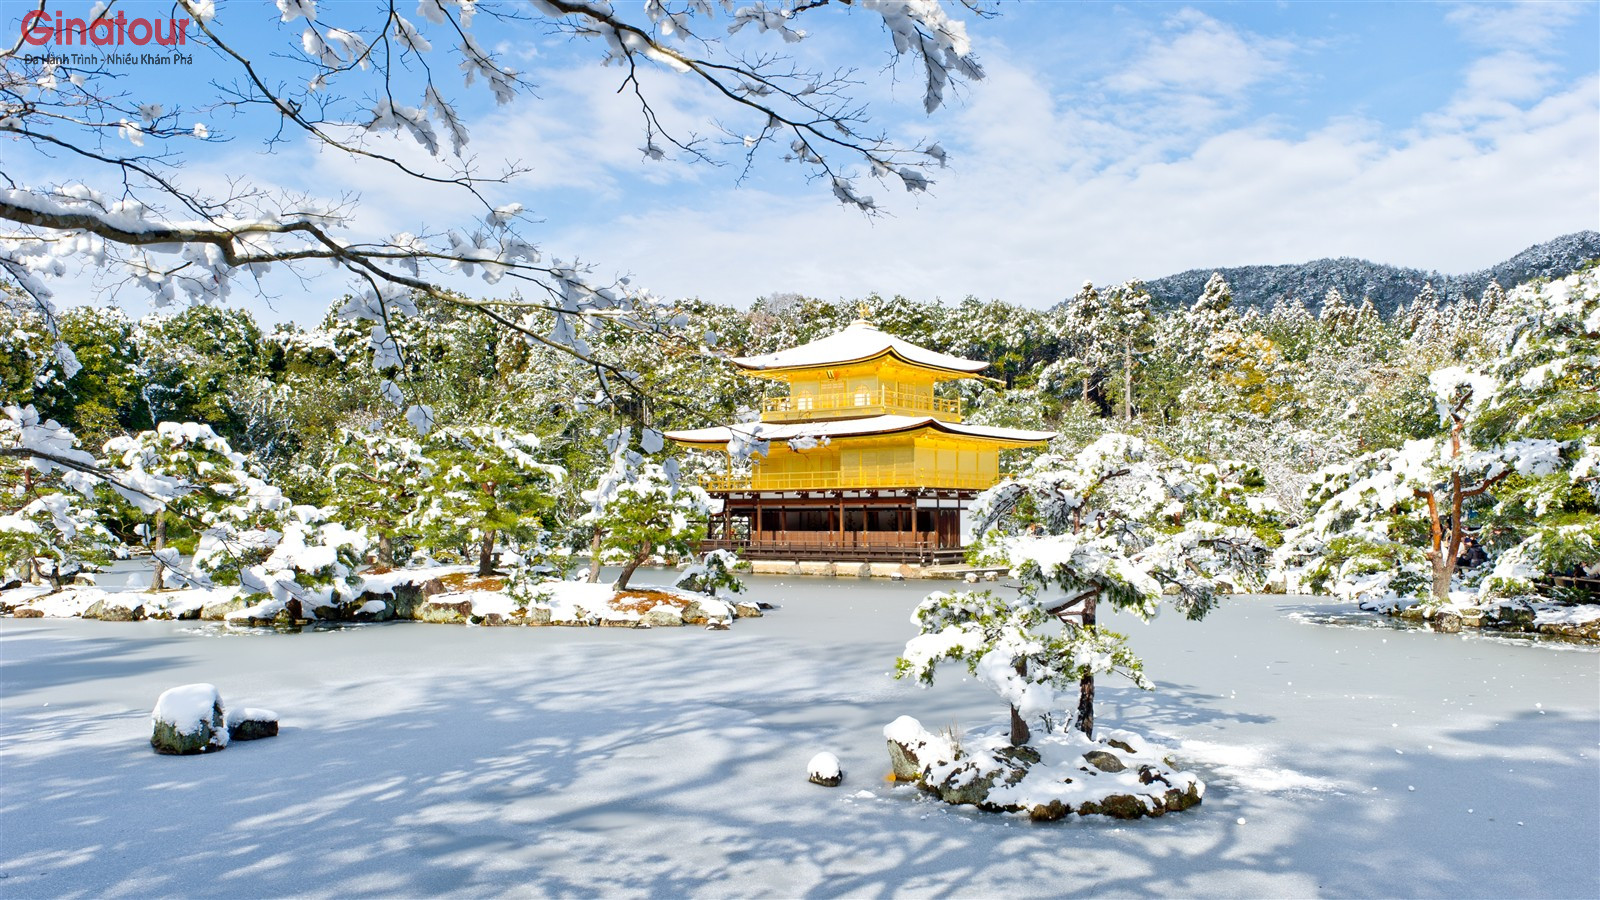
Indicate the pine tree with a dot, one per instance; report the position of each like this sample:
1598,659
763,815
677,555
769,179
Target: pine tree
639,507
50,527
1118,523
1337,316
489,484
378,479
1424,304
1128,314
1511,465
1212,313
1090,333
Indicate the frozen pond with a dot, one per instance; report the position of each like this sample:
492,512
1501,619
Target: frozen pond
426,760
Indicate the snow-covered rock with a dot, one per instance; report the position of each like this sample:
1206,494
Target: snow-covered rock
824,769
246,724
220,609
444,611
189,719
913,748
664,616
115,610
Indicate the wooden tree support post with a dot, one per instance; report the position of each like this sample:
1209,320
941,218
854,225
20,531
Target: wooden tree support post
1086,683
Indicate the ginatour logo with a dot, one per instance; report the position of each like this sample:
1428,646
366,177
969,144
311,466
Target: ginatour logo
41,27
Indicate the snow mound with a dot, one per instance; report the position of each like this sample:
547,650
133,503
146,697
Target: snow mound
250,714
824,769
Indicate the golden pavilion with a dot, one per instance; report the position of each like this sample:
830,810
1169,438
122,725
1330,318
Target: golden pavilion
865,461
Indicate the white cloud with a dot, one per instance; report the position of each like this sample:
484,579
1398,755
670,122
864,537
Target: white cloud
1020,216
1203,56
1531,24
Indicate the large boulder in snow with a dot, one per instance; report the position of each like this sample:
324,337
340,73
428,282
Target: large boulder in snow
707,611
1445,622
220,610
1511,614
113,609
444,612
1104,761
189,719
408,598
251,724
27,612
371,610
913,748
663,616
970,780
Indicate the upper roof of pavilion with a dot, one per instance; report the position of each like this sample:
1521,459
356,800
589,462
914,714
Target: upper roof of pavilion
706,438
858,343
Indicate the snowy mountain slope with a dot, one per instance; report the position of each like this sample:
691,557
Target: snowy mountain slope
1390,287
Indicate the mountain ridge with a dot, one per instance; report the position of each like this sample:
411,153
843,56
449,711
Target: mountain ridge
1390,287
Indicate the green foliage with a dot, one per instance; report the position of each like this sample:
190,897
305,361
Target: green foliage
195,361
968,626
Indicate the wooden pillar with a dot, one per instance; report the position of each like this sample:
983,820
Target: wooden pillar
841,519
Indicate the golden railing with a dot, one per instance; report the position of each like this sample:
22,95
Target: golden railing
855,477
866,400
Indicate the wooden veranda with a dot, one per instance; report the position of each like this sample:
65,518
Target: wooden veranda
915,525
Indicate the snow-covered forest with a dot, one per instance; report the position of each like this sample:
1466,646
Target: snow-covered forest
1345,422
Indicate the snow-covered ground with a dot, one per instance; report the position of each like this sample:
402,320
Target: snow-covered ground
417,760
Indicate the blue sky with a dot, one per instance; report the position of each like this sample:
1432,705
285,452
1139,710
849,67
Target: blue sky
1110,141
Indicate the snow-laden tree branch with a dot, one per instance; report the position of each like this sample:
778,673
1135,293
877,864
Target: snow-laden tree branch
347,78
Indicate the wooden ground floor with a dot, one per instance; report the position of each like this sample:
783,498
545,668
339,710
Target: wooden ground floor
913,525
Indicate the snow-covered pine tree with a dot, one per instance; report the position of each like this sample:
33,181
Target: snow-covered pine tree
1511,469
1424,304
1089,330
307,570
1337,316
489,485
1130,320
203,483
1546,516
1118,523
639,508
379,479
1211,314
1367,317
